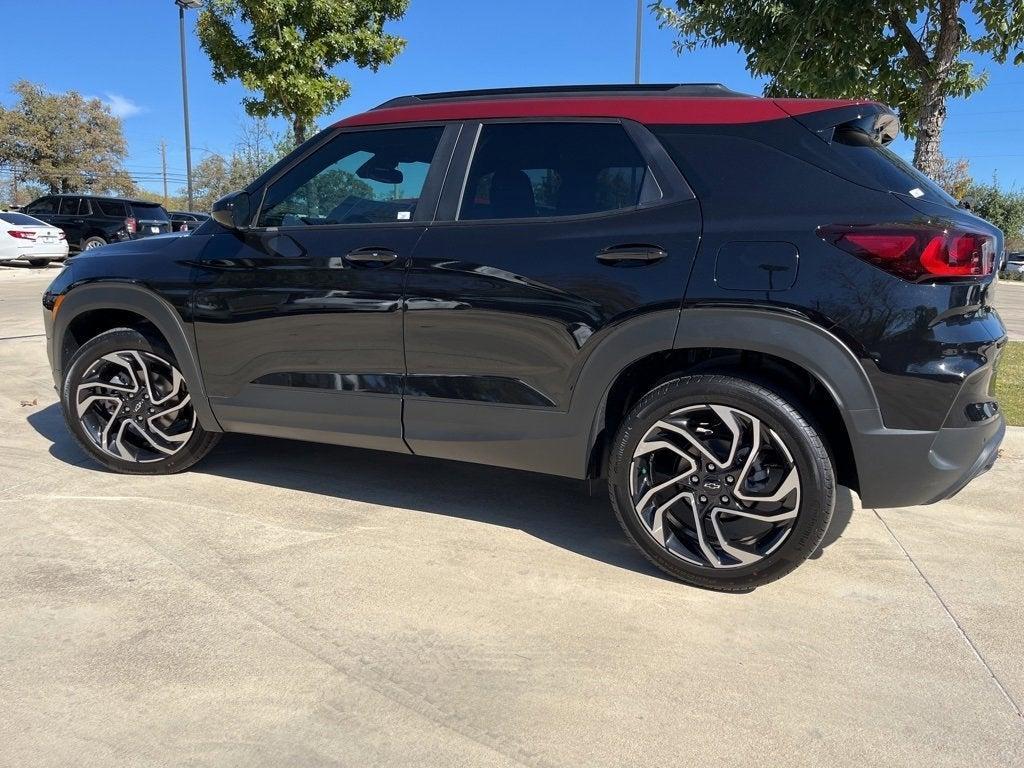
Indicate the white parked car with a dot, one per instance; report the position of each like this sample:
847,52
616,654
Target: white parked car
1014,262
27,239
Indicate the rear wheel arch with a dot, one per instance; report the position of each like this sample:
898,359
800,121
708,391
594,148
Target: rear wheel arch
95,233
91,309
790,355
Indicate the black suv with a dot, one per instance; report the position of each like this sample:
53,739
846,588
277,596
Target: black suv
723,305
90,221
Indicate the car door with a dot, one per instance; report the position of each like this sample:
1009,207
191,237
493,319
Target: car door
71,217
299,319
548,236
65,217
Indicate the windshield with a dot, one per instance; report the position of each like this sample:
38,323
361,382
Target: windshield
883,168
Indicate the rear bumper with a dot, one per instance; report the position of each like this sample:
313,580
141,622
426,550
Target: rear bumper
55,252
903,468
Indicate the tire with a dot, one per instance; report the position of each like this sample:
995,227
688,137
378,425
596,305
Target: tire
95,241
106,380
717,524
38,262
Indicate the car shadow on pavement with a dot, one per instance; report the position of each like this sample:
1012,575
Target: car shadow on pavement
556,510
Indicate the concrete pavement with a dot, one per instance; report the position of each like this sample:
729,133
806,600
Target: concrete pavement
296,604
1010,304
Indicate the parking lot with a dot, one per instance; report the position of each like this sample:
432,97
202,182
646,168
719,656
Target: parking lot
298,604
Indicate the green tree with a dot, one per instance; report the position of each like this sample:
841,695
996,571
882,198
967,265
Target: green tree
174,202
1004,208
909,54
284,50
954,176
211,180
63,141
256,149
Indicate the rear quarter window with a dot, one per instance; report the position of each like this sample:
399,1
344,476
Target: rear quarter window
110,208
882,168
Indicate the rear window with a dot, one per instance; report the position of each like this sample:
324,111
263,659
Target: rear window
149,212
21,219
885,168
110,207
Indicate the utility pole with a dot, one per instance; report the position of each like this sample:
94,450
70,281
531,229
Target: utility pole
639,39
182,5
163,162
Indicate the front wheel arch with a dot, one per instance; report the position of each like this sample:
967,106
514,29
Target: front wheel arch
109,304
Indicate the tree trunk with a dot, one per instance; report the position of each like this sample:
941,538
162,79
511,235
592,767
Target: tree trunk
298,130
930,120
934,72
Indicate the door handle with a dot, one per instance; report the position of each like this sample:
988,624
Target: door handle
371,255
631,255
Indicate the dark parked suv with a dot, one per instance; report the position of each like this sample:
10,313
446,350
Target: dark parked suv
722,305
183,221
90,221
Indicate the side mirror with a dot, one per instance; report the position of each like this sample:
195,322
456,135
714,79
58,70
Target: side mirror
232,211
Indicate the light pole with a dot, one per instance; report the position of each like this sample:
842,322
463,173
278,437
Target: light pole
182,5
639,39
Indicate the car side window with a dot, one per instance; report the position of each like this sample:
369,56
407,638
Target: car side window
69,206
42,205
538,170
362,177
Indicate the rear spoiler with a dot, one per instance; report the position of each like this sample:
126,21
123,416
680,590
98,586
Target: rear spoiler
876,120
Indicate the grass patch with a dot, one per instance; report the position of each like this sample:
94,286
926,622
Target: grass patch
1010,383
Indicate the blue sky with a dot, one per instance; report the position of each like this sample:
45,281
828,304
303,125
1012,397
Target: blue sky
130,58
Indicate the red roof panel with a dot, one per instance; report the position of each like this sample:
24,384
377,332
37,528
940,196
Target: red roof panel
649,110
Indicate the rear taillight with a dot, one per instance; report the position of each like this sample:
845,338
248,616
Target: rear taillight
131,225
61,235
22,234
916,252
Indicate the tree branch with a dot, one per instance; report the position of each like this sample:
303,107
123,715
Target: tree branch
912,45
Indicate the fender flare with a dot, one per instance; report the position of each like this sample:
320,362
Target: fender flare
789,337
132,297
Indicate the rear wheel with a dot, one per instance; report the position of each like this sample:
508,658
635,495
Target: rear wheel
128,405
721,482
38,262
93,242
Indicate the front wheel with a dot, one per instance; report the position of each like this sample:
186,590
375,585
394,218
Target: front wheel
721,482
127,404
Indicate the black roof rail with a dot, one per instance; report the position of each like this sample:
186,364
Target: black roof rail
657,89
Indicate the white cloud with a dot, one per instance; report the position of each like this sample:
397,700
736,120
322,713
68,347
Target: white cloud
122,106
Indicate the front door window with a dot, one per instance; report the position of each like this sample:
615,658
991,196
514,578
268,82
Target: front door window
362,177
